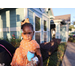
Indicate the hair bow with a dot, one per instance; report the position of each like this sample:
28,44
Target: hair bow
25,21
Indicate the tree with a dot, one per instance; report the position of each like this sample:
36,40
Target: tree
72,26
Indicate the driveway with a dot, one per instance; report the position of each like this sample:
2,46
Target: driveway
69,57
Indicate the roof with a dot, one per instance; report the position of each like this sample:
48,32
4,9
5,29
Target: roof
63,17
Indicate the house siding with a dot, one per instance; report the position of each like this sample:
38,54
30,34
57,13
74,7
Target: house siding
11,18
16,16
30,16
42,18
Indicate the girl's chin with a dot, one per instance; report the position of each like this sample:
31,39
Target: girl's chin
27,40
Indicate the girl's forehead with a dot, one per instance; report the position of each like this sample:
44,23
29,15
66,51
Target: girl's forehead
27,28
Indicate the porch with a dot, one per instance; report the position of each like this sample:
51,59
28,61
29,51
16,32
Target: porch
59,30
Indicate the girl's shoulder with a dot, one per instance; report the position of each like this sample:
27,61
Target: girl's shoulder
35,44
33,41
22,41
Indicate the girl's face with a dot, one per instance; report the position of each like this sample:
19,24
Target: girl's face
27,33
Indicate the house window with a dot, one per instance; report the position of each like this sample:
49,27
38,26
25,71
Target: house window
12,17
18,17
45,31
3,17
4,35
45,28
60,29
45,36
37,37
57,37
37,29
37,24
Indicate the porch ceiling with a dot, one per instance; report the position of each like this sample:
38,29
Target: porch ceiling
1,8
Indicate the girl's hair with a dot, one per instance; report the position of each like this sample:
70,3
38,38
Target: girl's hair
27,24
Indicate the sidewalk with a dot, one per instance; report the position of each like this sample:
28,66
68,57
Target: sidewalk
69,57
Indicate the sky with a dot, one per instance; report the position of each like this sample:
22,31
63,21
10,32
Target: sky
64,11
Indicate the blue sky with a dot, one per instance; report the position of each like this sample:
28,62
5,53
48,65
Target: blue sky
64,11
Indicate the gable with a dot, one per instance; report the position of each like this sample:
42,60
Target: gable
48,11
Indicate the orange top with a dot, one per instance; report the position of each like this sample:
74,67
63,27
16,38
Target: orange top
20,56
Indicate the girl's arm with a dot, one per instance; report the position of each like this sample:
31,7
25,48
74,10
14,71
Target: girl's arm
38,54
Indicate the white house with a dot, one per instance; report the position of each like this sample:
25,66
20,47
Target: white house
42,20
10,22
62,23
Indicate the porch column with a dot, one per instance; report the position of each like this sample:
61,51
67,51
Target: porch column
25,13
1,28
48,29
8,23
34,25
67,32
57,30
7,18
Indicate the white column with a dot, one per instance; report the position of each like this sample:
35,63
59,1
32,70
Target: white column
1,29
7,18
25,13
48,30
8,23
57,30
67,33
34,25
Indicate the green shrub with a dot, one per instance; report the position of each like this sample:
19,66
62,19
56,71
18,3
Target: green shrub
15,42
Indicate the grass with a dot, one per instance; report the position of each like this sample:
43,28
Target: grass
56,58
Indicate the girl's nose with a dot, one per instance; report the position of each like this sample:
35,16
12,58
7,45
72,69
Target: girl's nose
27,35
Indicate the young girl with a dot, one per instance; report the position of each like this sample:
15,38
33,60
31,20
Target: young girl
26,45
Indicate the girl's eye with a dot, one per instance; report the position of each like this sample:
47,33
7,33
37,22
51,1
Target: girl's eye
24,33
29,33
